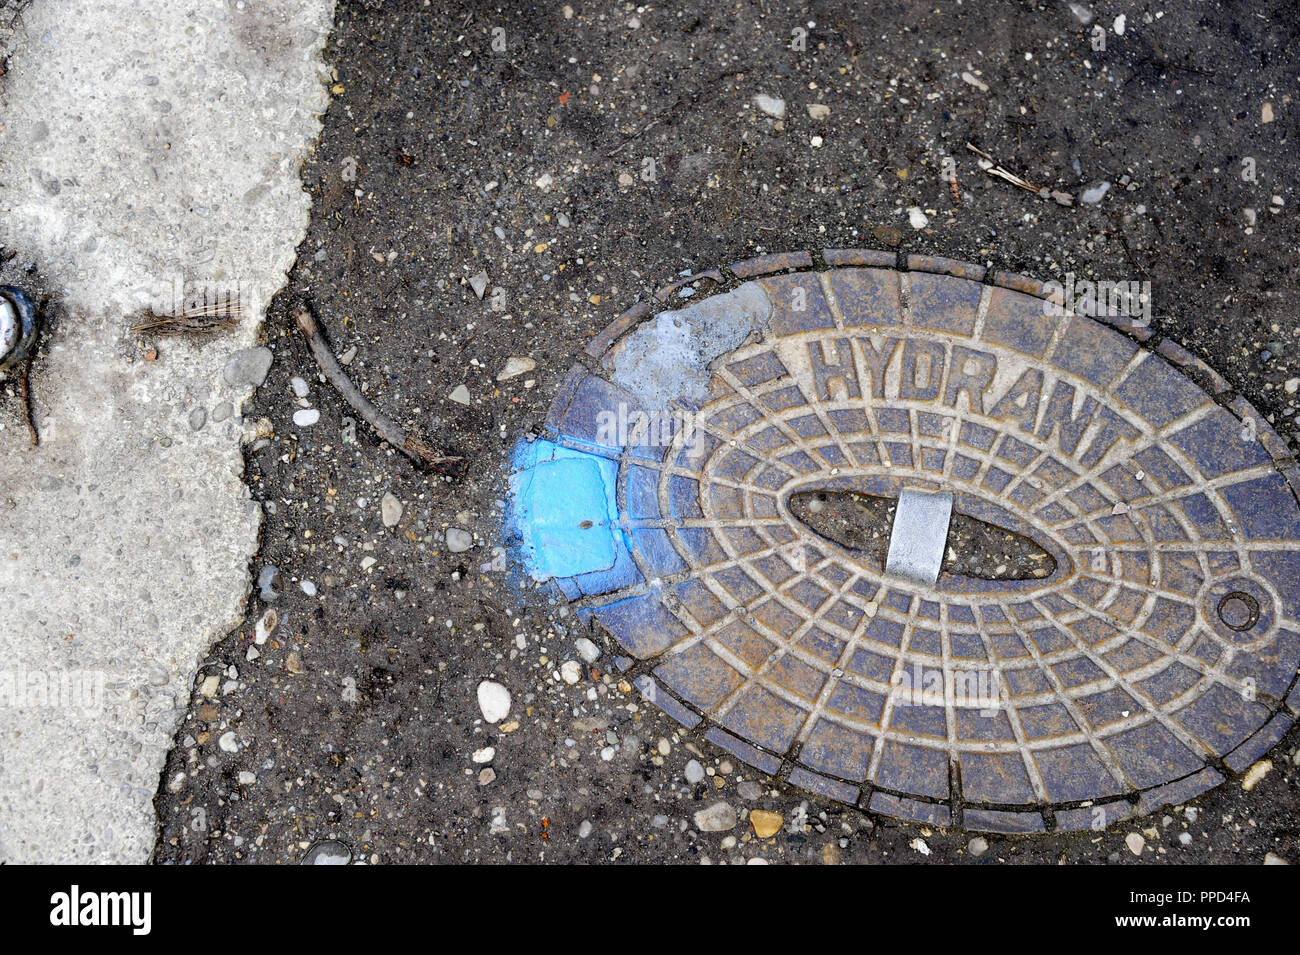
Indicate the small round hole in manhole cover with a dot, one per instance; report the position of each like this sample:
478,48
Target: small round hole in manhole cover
1068,589
1239,610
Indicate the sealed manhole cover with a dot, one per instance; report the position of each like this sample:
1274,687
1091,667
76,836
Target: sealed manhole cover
921,540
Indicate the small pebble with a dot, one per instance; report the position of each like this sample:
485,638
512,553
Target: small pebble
977,846
1093,195
588,650
390,510
479,283
1256,773
772,106
494,701
458,540
766,824
268,580
516,365
716,818
248,367
306,417
694,772
1135,843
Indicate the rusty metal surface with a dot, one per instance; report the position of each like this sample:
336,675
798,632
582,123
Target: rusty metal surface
1159,655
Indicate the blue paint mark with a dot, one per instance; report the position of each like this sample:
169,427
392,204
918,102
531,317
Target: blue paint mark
565,512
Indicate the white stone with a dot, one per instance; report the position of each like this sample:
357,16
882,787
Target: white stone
772,106
459,541
917,218
516,365
1135,843
306,417
694,772
265,626
494,701
479,283
484,755
571,671
1093,195
390,510
460,395
718,817
1256,773
228,742
588,650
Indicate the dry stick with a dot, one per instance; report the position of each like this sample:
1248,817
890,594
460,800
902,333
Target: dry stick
998,171
25,392
385,427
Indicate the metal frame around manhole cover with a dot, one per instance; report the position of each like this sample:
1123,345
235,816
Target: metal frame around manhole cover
1109,687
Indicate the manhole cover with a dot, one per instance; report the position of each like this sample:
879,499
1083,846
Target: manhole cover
920,540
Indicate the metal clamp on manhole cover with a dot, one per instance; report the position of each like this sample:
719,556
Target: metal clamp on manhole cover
919,536
921,540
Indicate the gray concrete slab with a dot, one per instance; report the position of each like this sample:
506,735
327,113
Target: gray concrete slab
141,147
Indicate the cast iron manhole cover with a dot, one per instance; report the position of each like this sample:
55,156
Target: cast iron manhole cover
921,540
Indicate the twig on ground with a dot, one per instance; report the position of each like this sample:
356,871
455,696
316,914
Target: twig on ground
414,448
995,169
187,322
25,393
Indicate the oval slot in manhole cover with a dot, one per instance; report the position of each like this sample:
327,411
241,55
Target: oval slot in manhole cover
861,524
1109,621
